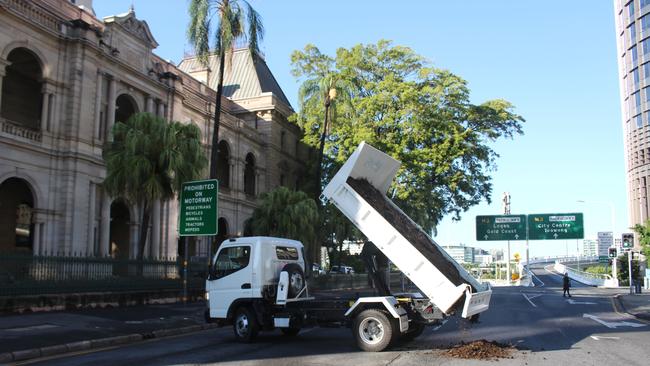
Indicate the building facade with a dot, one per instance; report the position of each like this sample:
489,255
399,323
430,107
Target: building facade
633,54
66,77
460,253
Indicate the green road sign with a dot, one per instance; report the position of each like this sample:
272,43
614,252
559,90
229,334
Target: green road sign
603,259
199,208
501,227
555,226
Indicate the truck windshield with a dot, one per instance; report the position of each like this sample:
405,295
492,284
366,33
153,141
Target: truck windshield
231,260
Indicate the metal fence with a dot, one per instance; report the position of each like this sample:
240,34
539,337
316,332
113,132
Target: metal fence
26,274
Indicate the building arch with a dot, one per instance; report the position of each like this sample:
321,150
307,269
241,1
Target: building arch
43,62
17,209
223,232
223,164
125,107
22,88
249,174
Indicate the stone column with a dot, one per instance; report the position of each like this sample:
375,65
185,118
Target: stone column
36,238
98,104
110,114
45,110
90,246
149,107
3,63
105,227
155,232
161,110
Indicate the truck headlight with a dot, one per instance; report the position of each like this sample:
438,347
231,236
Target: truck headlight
207,296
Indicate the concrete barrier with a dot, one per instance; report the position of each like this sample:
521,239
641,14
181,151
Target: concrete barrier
586,278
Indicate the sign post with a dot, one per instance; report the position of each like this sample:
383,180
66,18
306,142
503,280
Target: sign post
198,216
501,227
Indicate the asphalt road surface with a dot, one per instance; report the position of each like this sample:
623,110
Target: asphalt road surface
546,328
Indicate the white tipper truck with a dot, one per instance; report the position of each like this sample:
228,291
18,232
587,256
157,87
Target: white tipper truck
258,283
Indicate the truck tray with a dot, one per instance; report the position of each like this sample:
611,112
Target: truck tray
358,191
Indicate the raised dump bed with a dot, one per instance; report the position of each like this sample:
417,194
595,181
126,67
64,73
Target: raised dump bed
359,191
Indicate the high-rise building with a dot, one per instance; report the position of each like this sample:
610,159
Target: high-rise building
633,51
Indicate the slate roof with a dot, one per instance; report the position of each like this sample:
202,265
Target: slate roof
247,77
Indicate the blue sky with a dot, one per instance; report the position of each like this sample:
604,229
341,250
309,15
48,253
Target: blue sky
554,60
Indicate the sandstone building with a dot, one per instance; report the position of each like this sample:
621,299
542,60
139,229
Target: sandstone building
66,77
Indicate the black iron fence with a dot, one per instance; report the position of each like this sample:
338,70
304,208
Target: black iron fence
26,274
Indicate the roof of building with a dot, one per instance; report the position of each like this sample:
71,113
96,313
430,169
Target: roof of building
247,77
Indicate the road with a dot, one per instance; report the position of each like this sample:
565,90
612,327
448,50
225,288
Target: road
545,327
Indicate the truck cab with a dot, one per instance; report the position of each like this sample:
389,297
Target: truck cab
246,270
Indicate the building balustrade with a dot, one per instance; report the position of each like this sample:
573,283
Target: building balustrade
16,129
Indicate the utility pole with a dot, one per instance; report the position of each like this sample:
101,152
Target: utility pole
506,211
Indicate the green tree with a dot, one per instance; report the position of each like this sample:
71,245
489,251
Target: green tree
148,160
287,214
215,27
643,233
422,116
322,90
623,270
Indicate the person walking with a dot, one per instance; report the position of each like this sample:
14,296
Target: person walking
566,285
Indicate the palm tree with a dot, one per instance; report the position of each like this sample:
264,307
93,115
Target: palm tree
225,22
288,214
149,159
329,89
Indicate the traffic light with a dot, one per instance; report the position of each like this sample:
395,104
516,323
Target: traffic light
612,252
628,240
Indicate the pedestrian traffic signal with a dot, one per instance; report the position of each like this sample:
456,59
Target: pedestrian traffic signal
612,252
628,240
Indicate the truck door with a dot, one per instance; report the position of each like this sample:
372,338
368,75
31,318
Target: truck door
234,276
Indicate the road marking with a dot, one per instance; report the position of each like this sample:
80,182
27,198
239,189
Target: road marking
32,327
573,302
597,338
439,326
535,276
527,298
613,325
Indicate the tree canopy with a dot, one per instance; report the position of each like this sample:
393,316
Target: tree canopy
287,214
420,115
149,159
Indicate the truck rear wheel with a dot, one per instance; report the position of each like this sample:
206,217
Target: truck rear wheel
373,330
245,325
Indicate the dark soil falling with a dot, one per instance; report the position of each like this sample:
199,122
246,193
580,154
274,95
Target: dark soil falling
407,228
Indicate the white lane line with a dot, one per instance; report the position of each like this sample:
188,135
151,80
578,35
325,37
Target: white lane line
537,278
573,302
597,338
612,325
527,298
439,326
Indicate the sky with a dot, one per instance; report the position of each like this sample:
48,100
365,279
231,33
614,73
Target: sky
555,60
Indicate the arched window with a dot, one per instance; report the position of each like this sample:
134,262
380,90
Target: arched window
223,164
125,107
249,175
16,215
22,89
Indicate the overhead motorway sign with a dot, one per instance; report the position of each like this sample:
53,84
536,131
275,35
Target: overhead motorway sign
501,227
198,215
555,226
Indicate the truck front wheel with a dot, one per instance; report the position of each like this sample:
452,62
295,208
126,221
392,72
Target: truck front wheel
373,330
245,325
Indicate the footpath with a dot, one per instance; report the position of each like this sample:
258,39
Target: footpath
637,305
28,336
